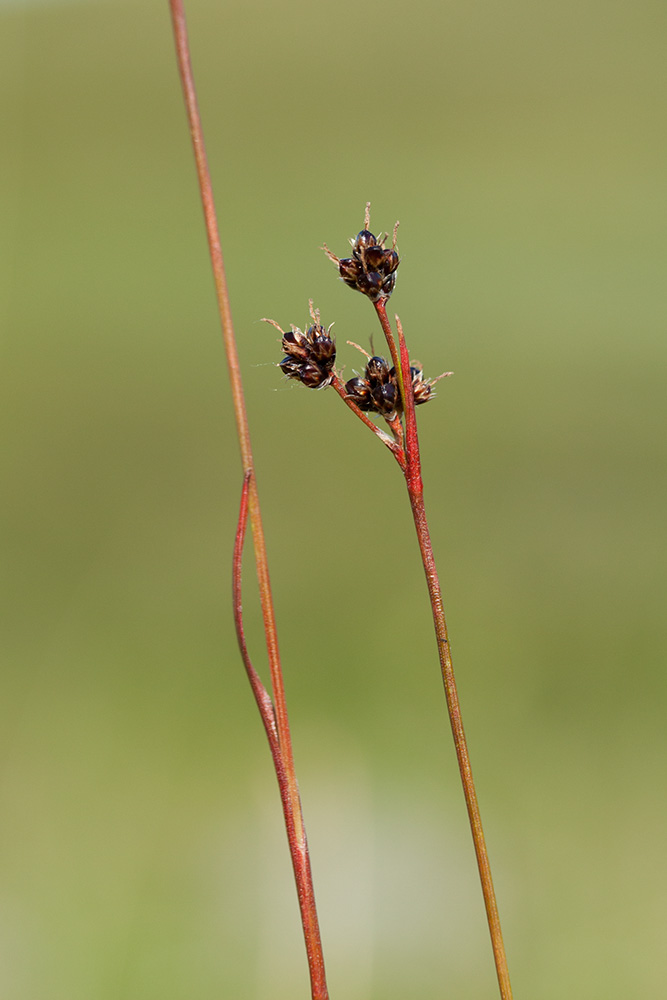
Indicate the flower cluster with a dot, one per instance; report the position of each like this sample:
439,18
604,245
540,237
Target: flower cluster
309,356
377,391
372,268
422,388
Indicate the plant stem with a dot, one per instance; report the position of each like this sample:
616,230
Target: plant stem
283,751
264,703
381,310
415,489
454,709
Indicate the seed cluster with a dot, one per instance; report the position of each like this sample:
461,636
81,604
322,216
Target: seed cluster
371,269
378,390
422,388
310,356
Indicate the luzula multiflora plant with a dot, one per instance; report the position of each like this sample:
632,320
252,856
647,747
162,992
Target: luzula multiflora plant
391,390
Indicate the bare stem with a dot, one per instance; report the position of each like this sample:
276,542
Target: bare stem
415,489
454,709
283,750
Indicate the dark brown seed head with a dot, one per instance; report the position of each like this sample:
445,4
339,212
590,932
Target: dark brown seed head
377,391
372,268
310,356
381,380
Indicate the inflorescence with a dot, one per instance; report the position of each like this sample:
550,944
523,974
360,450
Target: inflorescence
372,268
310,355
378,390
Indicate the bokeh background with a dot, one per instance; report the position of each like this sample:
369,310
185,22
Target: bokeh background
523,148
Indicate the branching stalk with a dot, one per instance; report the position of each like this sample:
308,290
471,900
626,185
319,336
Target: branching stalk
395,447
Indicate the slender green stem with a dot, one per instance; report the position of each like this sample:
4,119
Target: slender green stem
286,774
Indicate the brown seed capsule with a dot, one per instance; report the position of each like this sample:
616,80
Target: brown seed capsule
378,372
391,261
314,377
290,367
386,398
371,285
363,240
296,344
373,258
359,390
421,387
388,285
349,270
322,347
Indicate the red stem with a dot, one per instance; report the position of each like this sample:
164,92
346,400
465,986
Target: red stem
415,488
285,773
381,310
413,474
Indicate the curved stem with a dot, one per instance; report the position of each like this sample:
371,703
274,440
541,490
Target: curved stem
264,703
300,858
295,827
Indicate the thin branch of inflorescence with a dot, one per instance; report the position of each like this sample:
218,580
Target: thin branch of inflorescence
274,713
394,444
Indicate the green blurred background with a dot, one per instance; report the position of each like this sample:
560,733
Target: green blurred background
523,148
